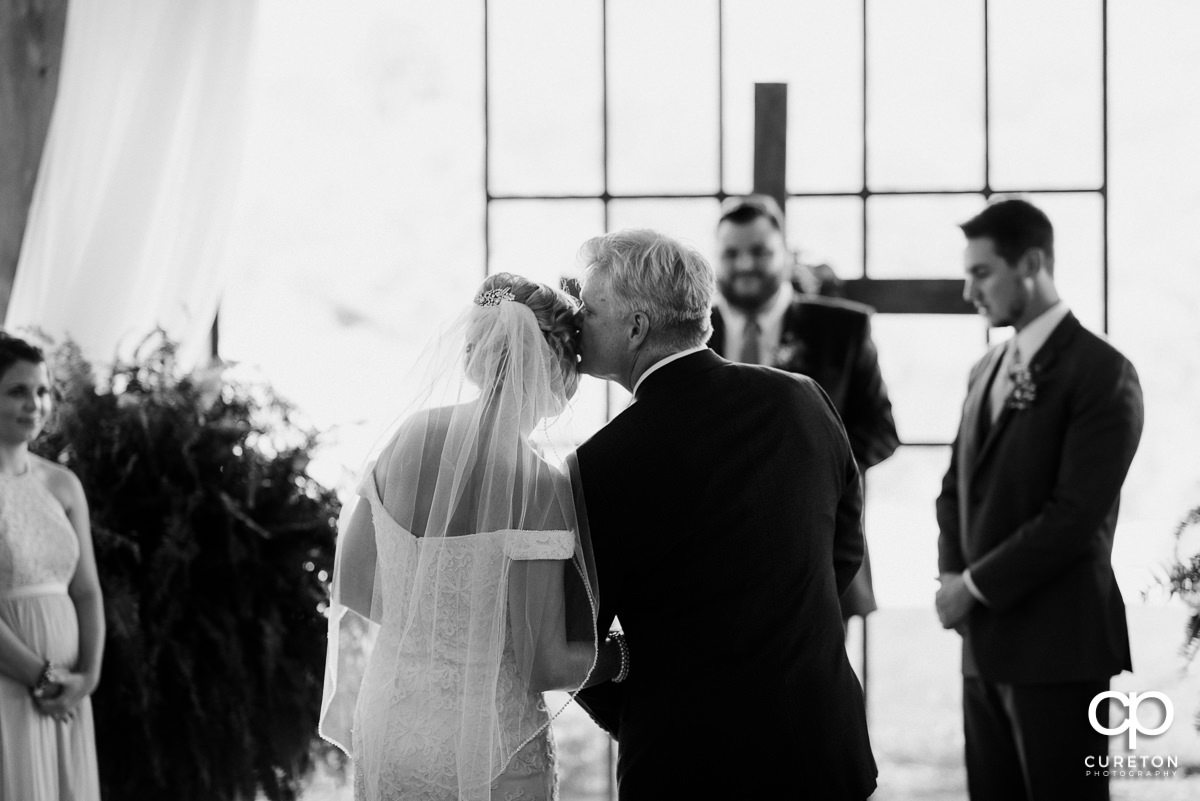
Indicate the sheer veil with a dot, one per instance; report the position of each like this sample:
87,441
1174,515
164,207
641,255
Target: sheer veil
426,611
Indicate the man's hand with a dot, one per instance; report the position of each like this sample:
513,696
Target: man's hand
953,600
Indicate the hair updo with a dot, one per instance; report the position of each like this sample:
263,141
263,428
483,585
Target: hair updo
555,312
14,349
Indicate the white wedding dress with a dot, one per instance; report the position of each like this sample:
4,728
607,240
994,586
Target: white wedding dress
430,566
408,721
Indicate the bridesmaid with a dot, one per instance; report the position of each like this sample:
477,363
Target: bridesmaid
51,611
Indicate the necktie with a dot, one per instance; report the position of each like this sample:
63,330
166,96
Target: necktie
1002,386
750,337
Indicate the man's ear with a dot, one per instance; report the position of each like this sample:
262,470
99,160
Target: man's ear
1033,262
639,329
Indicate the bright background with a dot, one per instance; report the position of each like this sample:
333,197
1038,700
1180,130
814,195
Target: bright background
361,224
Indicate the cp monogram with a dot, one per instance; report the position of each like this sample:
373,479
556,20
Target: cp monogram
1132,722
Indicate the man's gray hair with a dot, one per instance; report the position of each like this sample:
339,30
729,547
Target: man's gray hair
655,274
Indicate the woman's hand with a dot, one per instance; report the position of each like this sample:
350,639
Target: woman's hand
64,696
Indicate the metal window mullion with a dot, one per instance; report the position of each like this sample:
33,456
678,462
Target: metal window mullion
1104,160
721,103
987,125
831,194
487,177
987,104
865,192
605,199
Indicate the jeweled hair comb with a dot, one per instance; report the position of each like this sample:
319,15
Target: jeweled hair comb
492,297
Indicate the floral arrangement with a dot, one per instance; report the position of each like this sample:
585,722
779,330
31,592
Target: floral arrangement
791,353
214,549
1183,580
1024,390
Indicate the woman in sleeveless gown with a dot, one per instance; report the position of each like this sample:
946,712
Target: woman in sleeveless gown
51,614
467,563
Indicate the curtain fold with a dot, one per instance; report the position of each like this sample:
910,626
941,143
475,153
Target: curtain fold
136,187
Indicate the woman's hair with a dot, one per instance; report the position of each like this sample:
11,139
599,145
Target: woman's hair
655,274
14,349
554,311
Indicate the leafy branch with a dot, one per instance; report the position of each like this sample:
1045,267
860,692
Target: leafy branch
214,548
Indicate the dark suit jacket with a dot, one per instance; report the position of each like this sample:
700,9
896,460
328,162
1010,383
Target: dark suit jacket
725,514
829,340
1031,509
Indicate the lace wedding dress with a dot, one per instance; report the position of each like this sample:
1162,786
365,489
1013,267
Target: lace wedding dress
408,722
455,563
41,759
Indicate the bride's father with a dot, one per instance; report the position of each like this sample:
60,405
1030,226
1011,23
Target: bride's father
725,512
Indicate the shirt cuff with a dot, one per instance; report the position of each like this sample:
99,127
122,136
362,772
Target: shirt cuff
971,588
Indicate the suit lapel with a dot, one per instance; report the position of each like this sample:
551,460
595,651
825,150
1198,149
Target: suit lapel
792,332
1059,340
1042,362
976,409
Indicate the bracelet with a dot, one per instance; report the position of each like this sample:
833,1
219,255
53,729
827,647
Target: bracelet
47,678
623,672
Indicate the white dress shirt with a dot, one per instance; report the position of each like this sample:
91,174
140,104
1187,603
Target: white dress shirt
770,324
664,362
1031,338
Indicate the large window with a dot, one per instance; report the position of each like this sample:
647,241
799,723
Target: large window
903,118
362,226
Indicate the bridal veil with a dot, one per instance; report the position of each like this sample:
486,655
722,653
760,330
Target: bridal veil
424,591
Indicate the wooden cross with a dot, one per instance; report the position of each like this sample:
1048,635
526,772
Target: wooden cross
890,296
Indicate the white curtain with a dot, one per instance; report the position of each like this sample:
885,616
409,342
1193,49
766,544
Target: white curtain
136,186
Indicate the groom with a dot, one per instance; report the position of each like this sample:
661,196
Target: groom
1027,516
725,513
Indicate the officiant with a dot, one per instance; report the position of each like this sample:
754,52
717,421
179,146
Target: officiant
760,318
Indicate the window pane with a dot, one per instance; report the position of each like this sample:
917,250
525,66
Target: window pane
618,398
901,525
662,59
1155,289
827,230
583,752
691,220
925,94
815,47
358,232
1078,252
1046,83
585,416
925,360
545,123
917,236
540,239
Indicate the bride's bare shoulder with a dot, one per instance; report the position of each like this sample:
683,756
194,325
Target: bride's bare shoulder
418,436
420,426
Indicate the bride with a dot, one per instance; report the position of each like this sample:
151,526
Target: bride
467,560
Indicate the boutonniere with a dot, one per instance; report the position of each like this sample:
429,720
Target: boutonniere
1024,391
789,353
